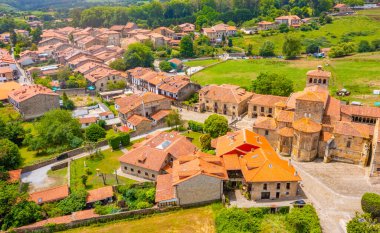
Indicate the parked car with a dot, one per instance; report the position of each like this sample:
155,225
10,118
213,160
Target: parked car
299,203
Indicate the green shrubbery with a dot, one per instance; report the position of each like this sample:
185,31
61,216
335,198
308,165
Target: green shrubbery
371,204
304,220
115,140
195,126
139,196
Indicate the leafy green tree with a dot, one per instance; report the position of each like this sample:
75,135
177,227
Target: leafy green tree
36,35
118,64
116,86
362,223
272,84
186,47
236,220
230,43
371,204
205,140
364,46
312,48
304,220
137,55
174,119
9,195
74,202
267,49
64,73
94,132
57,130
292,47
283,28
14,131
84,179
216,125
165,66
23,213
342,49
376,44
68,104
249,51
354,2
10,157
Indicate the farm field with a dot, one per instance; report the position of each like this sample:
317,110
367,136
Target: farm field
332,33
106,164
185,221
360,73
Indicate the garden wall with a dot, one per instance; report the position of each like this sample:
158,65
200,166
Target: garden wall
72,91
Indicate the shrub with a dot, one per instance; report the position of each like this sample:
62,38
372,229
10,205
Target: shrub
114,142
165,66
94,132
267,49
304,220
362,223
236,220
283,209
74,202
364,46
125,139
205,141
195,126
371,204
216,125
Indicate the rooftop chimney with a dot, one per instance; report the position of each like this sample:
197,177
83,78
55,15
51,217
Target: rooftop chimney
320,67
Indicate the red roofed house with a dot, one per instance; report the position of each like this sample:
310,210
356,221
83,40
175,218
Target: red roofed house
342,8
87,121
217,32
289,20
265,25
101,77
50,195
149,159
104,195
33,101
6,74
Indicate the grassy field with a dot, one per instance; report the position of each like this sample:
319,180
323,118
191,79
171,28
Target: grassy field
107,165
201,62
360,73
31,157
331,32
185,221
195,136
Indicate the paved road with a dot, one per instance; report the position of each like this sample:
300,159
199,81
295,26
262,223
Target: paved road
39,179
23,78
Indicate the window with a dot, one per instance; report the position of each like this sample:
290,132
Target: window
265,186
287,185
254,108
146,173
270,110
278,185
324,81
348,145
139,171
125,168
262,109
287,193
266,132
108,78
265,195
132,169
102,84
153,176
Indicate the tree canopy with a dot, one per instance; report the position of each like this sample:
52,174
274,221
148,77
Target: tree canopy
94,132
186,46
138,55
10,157
216,125
291,47
272,84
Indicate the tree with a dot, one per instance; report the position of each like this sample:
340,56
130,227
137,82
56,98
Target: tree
216,125
205,141
371,204
74,202
272,84
236,220
292,47
354,2
10,157
94,132
230,44
283,28
267,49
362,223
68,104
312,48
342,49
84,179
118,64
364,46
56,130
116,86
249,51
376,44
63,73
23,213
304,220
15,132
165,66
137,55
36,34
186,46
174,119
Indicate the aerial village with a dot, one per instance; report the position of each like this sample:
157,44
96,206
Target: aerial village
172,141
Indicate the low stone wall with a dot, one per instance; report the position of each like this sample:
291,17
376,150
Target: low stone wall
59,166
72,91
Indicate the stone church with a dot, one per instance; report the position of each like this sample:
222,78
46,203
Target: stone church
311,123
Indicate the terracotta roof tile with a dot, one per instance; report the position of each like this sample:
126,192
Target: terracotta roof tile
286,132
265,123
266,100
352,129
88,120
7,87
307,125
361,111
231,162
99,194
160,114
14,175
285,116
50,195
164,188
137,120
27,92
226,93
319,73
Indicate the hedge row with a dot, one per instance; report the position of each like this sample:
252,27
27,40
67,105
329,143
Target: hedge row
122,139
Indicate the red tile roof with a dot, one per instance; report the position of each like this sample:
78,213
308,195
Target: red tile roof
307,125
99,194
265,123
361,111
352,129
14,175
27,92
266,100
160,114
226,93
50,195
88,120
136,120
164,188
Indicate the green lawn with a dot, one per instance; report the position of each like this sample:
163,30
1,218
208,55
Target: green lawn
195,136
59,176
107,165
31,157
360,73
185,221
201,62
331,32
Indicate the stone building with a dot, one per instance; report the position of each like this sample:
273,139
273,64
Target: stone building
225,99
155,155
33,101
263,105
102,77
311,123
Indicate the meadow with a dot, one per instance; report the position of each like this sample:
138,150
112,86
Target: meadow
365,21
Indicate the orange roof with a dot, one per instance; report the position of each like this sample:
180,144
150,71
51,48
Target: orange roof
312,96
239,142
265,123
326,136
137,119
231,162
160,114
288,17
99,194
266,100
124,128
14,175
226,93
174,84
88,120
307,125
340,5
27,92
189,166
7,87
285,116
50,195
286,132
134,101
265,23
352,129
319,73
164,188
361,111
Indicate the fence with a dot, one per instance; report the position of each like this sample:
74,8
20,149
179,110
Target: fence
72,91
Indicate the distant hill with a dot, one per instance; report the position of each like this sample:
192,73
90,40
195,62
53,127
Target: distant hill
56,4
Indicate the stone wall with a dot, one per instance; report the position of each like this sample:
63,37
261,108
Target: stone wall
37,105
139,171
258,188
314,110
351,149
72,91
270,135
258,110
